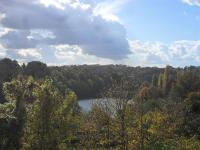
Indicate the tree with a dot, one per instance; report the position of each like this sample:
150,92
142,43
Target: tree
7,121
143,97
165,79
187,81
50,119
8,70
192,118
160,81
101,117
115,104
17,93
154,81
36,69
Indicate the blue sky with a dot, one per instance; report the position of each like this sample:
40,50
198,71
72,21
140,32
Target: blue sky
131,32
161,20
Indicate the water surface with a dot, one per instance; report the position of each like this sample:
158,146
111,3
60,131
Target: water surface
86,104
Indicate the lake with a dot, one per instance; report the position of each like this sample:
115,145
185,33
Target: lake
86,104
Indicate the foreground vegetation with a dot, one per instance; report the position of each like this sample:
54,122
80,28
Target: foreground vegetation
138,109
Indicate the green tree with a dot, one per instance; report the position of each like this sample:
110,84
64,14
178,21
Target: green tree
8,70
50,122
192,116
17,93
154,81
143,97
165,78
160,81
36,69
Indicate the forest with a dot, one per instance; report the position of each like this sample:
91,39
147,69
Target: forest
137,108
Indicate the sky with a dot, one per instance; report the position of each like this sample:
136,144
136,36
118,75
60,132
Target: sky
130,32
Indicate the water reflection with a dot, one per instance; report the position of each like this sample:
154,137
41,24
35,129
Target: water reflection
86,104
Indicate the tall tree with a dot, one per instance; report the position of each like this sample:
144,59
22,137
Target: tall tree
36,69
9,69
118,97
50,119
160,81
154,81
17,92
143,96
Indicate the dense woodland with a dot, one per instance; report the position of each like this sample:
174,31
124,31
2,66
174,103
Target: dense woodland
138,108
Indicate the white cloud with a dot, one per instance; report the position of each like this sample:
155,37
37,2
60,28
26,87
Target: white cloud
30,53
178,53
185,50
40,34
108,9
150,50
192,2
2,51
4,31
61,3
73,54
67,51
43,22
73,32
197,59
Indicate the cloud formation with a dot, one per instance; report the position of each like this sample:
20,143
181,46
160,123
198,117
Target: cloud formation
72,32
2,51
30,53
72,54
178,53
108,9
192,2
71,23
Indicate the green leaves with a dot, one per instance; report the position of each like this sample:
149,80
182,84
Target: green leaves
50,118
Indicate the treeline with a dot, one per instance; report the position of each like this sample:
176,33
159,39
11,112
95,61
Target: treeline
161,115
87,81
138,109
